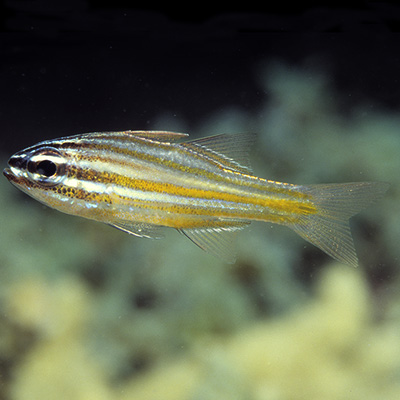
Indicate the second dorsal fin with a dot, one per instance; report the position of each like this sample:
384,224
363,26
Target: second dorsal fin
229,150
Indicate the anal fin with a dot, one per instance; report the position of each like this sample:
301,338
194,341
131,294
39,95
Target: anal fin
218,241
139,229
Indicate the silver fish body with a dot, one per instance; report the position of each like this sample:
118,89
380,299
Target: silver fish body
138,181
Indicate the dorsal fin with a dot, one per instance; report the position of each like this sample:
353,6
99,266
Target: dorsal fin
229,150
161,136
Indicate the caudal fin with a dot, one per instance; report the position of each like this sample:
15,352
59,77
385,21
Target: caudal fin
329,228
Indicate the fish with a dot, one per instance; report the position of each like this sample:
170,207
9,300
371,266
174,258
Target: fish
141,181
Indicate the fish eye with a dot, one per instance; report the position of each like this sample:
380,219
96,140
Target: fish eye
46,166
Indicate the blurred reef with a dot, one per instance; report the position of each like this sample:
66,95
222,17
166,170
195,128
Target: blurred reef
88,312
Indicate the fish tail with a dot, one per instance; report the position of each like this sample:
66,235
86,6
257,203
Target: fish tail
329,227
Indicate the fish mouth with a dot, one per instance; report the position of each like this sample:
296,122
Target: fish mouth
12,175
16,164
7,173
15,171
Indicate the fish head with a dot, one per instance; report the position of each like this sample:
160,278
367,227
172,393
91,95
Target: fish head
40,171
36,167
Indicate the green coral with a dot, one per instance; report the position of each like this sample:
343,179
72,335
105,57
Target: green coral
331,348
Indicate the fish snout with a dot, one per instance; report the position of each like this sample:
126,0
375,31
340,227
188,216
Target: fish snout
17,165
18,161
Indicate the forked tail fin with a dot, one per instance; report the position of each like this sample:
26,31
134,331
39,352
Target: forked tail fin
329,228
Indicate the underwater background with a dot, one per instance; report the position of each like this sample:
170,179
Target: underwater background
88,312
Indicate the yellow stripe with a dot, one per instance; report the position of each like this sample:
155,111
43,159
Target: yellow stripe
276,205
258,199
240,179
81,194
182,217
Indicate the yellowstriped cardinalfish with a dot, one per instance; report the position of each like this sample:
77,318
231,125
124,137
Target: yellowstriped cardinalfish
138,181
